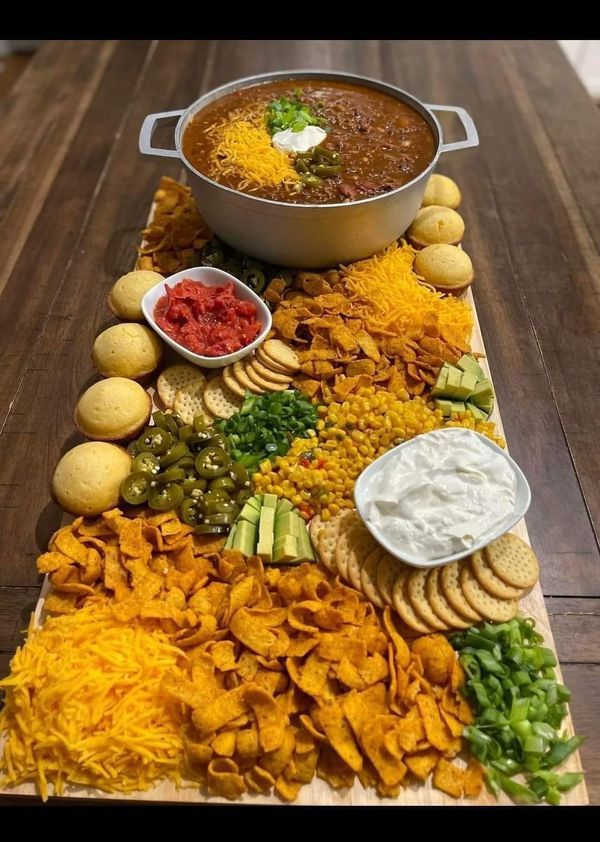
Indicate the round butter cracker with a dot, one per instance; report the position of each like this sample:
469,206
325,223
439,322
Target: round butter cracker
440,604
489,581
188,404
268,373
368,577
387,573
176,378
232,383
263,382
415,587
450,585
329,535
357,532
219,400
239,372
403,605
280,353
513,561
359,552
492,608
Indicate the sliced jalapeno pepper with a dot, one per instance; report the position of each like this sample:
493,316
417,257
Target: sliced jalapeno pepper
226,483
219,494
174,453
146,462
132,448
212,462
165,497
199,423
160,419
217,439
199,440
254,279
239,473
155,440
172,474
243,496
186,432
171,424
191,485
217,507
135,488
221,518
188,512
211,529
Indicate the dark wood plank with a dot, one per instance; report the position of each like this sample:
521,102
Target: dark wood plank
11,69
576,628
584,683
40,417
567,258
38,121
16,605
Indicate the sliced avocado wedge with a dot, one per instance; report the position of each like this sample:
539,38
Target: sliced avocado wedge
469,363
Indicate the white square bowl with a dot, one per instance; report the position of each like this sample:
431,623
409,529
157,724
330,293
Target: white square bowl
522,502
209,277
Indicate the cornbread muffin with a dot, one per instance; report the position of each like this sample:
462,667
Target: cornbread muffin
127,350
113,409
125,298
436,224
441,190
447,268
88,477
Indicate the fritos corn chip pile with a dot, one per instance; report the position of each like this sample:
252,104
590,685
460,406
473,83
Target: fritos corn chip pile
177,232
372,323
279,674
84,706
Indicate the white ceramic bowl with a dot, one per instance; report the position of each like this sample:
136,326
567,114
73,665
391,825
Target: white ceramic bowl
214,278
522,502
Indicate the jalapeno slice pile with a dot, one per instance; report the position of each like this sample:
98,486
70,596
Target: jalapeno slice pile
186,467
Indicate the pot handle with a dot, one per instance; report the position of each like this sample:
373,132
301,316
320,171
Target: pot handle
147,130
468,125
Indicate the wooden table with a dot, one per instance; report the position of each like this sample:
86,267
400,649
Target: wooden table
75,192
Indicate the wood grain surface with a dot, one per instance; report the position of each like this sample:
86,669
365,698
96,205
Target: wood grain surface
74,193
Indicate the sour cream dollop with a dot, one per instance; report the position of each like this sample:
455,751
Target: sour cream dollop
440,494
308,138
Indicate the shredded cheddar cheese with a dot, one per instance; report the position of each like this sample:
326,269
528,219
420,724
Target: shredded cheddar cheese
84,706
243,149
397,302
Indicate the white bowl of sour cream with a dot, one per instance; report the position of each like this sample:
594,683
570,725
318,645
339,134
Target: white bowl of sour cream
441,496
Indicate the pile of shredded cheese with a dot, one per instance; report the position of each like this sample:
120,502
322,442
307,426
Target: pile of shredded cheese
84,706
243,149
396,302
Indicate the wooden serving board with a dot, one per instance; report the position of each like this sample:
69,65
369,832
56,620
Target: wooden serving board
318,792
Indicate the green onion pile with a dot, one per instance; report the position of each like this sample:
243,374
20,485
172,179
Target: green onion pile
519,706
265,426
284,113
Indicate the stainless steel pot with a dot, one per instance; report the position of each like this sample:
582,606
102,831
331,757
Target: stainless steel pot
308,236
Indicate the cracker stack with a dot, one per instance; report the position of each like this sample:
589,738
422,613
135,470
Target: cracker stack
485,586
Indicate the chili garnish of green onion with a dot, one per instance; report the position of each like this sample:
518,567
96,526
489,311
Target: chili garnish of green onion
284,113
519,707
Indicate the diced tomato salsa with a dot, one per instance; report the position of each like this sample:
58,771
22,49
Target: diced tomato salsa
207,320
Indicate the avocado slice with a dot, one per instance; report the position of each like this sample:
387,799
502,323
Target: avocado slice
282,507
482,391
457,406
285,549
269,501
287,524
486,406
453,382
305,550
245,537
265,532
444,405
468,382
230,537
469,363
477,413
249,513
440,383
255,503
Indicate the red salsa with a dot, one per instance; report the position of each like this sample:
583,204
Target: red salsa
207,320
